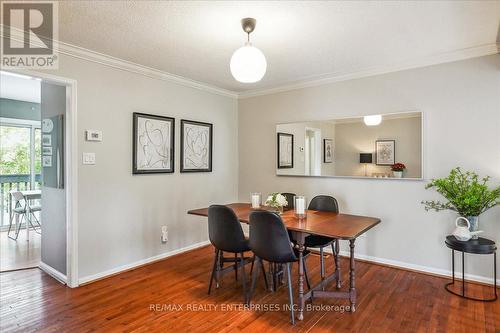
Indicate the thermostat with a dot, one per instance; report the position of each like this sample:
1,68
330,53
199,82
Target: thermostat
93,135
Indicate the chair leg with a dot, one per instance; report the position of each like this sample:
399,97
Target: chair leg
212,276
255,273
336,251
306,275
18,228
251,267
38,225
290,292
322,263
264,273
243,277
10,224
236,266
220,266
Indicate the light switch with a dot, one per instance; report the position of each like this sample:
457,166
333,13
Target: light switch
89,158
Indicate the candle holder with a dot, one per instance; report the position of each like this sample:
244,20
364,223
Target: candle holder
300,207
256,200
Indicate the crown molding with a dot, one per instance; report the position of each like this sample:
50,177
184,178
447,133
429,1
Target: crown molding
441,58
110,61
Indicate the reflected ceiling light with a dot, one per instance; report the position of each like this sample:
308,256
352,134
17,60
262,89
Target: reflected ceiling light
248,63
372,120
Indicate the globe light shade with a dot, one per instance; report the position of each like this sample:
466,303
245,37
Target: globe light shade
372,120
248,64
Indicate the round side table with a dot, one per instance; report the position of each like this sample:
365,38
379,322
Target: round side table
474,246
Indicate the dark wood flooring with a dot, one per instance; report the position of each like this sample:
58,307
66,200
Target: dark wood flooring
156,297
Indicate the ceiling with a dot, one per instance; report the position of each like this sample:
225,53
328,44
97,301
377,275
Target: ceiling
19,87
301,40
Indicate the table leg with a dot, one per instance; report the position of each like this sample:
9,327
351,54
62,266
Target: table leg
495,272
453,265
352,277
337,263
300,243
463,274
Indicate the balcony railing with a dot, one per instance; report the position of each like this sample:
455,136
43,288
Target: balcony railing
14,182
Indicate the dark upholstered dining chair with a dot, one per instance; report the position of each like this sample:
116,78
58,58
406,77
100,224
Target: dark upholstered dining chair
269,241
226,235
290,199
324,203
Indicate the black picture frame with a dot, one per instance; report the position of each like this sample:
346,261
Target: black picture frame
377,154
280,165
325,160
185,122
136,170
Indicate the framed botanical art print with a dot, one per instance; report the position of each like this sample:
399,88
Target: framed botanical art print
285,150
385,152
327,150
153,144
196,146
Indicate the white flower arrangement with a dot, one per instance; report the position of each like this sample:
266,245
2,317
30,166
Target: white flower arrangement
276,200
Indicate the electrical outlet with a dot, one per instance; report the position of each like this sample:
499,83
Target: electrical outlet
164,234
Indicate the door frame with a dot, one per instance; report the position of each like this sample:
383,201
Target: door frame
71,173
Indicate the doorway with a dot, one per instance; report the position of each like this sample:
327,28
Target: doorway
20,172
37,174
313,152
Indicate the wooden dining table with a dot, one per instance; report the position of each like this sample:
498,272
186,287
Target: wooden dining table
335,225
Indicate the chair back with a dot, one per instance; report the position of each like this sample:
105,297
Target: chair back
324,203
269,238
19,199
224,229
290,199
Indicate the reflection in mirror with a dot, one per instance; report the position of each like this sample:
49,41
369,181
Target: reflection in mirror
381,146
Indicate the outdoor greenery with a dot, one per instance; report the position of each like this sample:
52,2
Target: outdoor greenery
15,151
465,193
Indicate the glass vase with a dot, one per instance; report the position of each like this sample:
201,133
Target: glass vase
474,225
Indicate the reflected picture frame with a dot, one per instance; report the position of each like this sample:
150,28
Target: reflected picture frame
285,150
385,152
327,150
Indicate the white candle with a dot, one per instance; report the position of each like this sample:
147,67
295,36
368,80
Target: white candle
300,206
255,200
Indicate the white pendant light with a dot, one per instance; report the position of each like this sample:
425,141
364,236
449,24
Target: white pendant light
372,120
248,63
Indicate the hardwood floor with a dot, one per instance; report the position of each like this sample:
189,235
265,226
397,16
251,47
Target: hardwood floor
19,254
389,300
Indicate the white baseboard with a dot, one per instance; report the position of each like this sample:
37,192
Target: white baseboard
98,276
53,272
420,268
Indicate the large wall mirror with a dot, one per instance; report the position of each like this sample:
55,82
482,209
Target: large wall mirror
376,146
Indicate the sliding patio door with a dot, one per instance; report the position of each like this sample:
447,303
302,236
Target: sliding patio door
20,156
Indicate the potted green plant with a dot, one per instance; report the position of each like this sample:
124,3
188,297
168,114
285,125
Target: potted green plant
466,194
397,170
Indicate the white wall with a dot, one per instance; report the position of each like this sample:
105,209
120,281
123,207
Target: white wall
120,214
461,105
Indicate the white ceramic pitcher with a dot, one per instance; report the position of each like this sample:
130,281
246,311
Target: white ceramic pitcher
462,233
